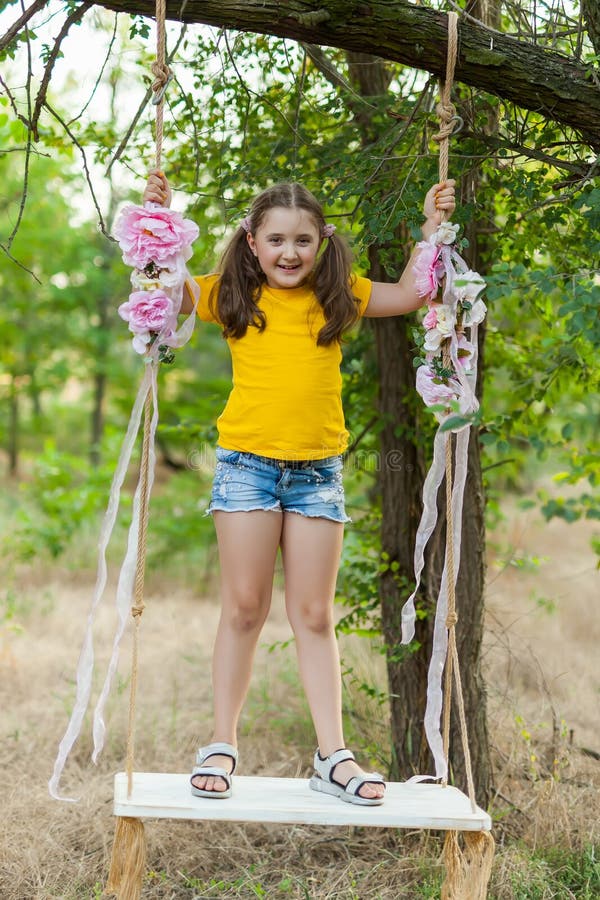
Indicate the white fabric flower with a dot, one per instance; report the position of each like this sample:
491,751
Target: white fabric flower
476,314
446,233
142,282
140,342
446,320
469,285
170,277
433,340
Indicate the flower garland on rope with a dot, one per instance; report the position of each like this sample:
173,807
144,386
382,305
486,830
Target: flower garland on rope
156,242
445,379
442,385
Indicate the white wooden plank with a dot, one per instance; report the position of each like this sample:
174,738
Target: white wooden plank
290,800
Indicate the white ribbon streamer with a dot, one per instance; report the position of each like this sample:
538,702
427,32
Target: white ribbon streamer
426,526
454,266
433,710
126,578
85,666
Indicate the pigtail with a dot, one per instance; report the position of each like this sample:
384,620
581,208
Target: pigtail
233,301
331,284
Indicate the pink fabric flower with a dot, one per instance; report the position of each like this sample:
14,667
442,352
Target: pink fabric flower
153,234
430,320
433,390
147,311
428,270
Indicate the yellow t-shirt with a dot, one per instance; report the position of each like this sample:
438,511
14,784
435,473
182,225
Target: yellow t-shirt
286,399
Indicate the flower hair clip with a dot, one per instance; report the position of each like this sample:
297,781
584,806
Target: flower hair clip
245,223
328,230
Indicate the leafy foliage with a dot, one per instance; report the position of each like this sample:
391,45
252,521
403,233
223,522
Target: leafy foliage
247,110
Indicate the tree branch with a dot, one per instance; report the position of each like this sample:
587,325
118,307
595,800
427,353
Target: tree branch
13,31
125,139
75,16
531,76
578,170
591,17
100,73
18,263
326,67
88,176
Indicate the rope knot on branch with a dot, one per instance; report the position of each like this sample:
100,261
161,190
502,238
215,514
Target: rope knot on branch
162,75
446,113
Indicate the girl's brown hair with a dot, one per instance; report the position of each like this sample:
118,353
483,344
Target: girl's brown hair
236,302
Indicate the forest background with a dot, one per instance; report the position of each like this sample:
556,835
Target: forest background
244,110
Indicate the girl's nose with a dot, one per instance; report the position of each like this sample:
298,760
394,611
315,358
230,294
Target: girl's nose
289,251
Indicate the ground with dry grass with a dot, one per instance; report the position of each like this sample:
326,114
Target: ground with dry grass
544,682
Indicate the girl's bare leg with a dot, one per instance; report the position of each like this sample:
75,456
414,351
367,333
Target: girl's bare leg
248,543
311,549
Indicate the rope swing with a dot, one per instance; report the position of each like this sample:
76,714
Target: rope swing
440,266
156,242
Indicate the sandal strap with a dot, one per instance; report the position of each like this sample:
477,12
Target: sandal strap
355,784
217,771
217,748
207,771
325,766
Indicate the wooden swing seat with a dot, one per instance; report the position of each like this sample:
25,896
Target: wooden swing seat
290,800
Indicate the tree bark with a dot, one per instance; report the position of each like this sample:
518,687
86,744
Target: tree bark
533,77
591,17
401,483
401,478
470,587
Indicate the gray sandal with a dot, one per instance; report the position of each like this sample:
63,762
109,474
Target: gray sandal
324,781
218,748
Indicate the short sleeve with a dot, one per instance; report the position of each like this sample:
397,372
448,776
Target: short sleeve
361,288
206,284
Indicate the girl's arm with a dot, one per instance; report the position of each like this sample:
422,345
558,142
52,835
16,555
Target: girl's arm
402,297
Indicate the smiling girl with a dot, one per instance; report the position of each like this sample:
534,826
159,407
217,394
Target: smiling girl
284,297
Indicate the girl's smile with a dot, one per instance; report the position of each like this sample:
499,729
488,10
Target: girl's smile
286,244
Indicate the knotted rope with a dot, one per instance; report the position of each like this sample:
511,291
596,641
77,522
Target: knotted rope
445,109
128,860
162,75
467,872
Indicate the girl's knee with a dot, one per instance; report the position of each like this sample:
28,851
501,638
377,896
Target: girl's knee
314,617
245,611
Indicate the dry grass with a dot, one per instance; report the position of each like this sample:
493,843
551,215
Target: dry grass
543,695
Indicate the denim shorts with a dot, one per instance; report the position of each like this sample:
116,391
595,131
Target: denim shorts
245,482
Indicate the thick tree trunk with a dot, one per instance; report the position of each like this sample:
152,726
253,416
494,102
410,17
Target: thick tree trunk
401,483
533,77
401,479
591,16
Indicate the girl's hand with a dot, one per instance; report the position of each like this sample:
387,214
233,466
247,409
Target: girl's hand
439,200
157,189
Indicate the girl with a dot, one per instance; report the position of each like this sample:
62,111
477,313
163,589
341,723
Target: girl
283,298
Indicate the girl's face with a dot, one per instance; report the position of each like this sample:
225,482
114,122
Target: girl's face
286,245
